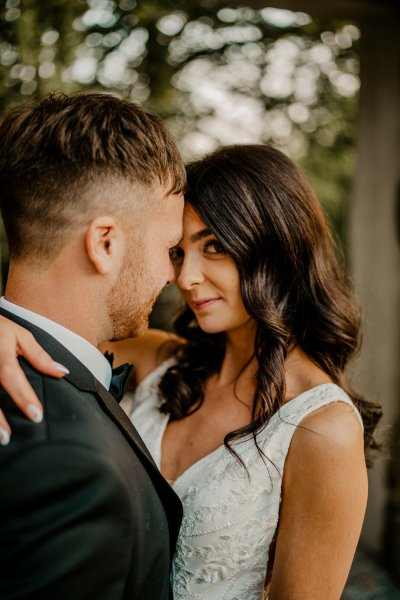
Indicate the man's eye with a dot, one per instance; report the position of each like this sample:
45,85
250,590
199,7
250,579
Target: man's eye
175,254
214,247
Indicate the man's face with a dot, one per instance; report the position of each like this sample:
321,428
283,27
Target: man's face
147,267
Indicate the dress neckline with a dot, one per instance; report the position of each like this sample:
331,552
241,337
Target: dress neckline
194,465
210,455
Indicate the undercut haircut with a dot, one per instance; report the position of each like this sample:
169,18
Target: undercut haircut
55,153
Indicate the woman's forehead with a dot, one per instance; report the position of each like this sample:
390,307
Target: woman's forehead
190,213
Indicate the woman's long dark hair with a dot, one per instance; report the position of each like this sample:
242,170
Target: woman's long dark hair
270,222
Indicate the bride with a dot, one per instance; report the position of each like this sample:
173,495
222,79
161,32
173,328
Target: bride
246,410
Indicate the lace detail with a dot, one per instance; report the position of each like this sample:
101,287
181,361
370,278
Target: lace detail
230,516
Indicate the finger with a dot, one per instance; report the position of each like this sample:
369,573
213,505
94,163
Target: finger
15,383
5,431
39,358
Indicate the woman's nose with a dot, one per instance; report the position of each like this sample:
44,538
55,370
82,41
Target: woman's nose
190,273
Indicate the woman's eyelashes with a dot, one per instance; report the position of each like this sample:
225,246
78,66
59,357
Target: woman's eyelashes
208,248
213,247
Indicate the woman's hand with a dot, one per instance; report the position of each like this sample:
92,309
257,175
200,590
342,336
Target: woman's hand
16,341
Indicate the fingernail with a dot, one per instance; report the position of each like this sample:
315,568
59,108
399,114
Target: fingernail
60,367
4,437
34,413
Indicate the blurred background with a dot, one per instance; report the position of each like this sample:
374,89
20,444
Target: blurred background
320,81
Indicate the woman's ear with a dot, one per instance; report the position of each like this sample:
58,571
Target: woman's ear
104,242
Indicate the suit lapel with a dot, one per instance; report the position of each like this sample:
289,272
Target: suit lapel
80,377
114,410
171,502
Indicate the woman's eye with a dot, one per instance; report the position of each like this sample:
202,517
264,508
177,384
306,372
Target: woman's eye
175,254
213,247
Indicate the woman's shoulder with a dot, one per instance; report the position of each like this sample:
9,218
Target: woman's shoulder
316,405
157,346
146,352
326,457
324,487
335,426
321,419
310,389
328,436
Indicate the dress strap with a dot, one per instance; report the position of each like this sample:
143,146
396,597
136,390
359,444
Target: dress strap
313,399
276,436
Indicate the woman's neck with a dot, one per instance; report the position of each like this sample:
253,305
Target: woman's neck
300,372
239,353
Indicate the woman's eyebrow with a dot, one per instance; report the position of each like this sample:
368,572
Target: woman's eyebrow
199,235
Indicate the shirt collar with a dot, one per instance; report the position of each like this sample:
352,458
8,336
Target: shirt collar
83,350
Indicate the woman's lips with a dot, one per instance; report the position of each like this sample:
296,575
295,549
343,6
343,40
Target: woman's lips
200,305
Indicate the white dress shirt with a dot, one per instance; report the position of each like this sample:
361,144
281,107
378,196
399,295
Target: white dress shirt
83,350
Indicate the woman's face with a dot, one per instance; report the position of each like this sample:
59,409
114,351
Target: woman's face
208,278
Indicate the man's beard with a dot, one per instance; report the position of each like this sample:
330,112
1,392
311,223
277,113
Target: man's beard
131,300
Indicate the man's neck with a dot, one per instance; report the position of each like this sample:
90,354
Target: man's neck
85,352
58,300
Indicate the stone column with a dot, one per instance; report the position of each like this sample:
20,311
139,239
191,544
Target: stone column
375,254
1,258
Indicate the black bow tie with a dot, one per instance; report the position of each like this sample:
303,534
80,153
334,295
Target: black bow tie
119,379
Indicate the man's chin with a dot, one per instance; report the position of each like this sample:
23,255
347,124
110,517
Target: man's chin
133,332
141,328
131,324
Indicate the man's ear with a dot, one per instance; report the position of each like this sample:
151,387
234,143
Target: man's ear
104,242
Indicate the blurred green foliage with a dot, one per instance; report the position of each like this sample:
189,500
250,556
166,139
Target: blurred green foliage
217,74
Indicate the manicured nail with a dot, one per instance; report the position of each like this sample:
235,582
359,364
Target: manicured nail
4,437
61,368
34,413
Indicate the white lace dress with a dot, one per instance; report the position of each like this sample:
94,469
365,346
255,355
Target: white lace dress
230,517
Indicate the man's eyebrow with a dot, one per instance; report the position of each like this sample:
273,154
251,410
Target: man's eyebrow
199,235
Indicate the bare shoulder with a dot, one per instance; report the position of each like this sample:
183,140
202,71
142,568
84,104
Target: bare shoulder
145,352
333,427
327,449
324,495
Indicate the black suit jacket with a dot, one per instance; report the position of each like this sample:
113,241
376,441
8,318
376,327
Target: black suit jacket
84,512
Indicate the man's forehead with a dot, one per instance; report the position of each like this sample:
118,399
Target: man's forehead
173,204
168,215
166,189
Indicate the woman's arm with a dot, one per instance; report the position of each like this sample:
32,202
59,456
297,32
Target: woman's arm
145,352
324,498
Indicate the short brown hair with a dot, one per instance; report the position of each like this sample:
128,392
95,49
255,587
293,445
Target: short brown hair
51,153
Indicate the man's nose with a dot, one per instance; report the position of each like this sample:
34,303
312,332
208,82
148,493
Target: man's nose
171,274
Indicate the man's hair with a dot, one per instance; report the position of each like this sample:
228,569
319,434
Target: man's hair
54,153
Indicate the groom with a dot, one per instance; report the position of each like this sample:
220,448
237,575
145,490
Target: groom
91,199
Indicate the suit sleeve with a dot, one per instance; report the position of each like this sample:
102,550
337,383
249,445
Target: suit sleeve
65,527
